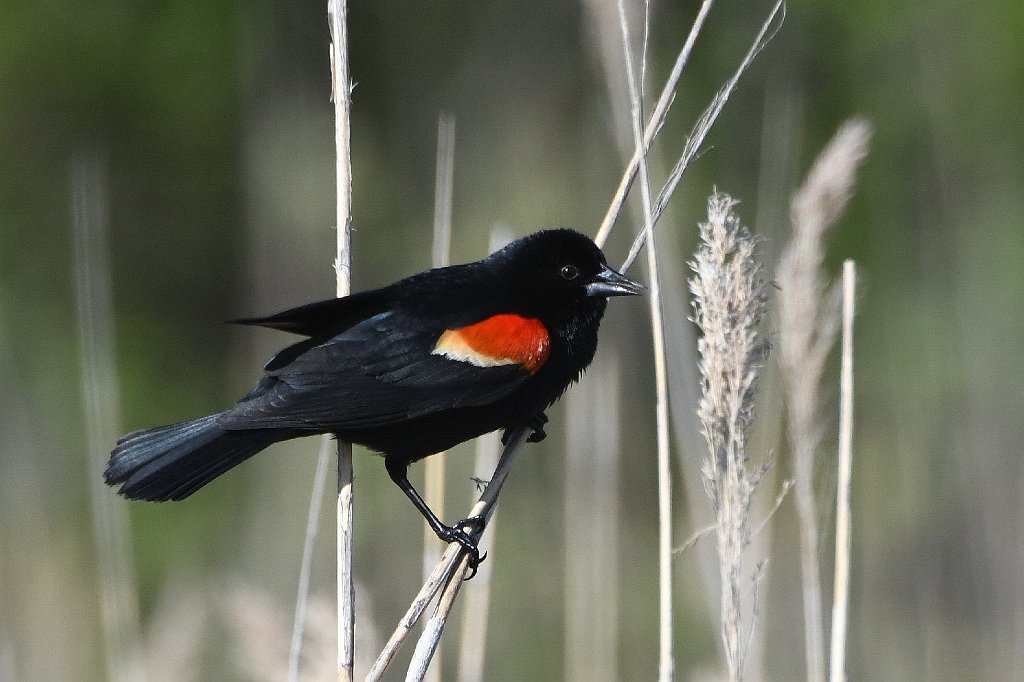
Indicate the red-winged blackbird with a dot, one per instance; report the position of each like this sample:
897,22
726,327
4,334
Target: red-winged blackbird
408,370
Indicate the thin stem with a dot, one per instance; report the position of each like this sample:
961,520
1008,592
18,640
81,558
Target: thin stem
594,581
485,508
434,467
665,658
808,324
412,615
94,305
661,108
306,568
426,645
473,637
841,584
444,190
341,92
706,121
451,567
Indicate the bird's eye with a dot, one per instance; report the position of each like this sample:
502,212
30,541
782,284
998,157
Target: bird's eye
570,272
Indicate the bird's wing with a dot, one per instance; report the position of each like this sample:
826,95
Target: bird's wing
384,370
325,317
319,321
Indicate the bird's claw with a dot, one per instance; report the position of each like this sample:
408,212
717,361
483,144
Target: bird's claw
536,425
457,533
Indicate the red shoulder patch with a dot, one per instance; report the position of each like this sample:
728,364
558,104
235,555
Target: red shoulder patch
499,340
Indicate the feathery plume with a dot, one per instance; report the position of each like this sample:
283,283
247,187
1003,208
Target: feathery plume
730,299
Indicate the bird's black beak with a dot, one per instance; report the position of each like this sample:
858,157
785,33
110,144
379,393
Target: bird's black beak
611,283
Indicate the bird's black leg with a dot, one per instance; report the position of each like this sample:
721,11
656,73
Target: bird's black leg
397,471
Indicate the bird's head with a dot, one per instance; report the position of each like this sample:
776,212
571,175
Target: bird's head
557,274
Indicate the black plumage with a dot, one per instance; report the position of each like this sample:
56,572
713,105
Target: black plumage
408,370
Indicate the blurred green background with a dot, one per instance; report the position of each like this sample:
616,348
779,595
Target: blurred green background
207,129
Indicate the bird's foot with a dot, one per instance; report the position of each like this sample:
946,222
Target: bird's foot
458,533
536,424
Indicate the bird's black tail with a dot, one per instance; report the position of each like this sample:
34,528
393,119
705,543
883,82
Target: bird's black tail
172,462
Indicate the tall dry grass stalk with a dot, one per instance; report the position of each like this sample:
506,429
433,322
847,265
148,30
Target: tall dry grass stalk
100,395
476,613
341,92
434,467
666,662
808,323
447,576
306,565
700,129
707,119
729,301
593,512
841,578
485,508
643,137
444,192
657,119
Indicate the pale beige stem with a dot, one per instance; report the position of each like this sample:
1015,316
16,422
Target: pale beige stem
341,92
452,567
841,584
434,467
665,100
666,664
119,609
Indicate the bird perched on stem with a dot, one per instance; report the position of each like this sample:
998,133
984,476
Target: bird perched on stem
407,370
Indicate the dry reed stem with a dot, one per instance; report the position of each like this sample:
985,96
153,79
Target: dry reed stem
841,579
592,513
808,323
729,302
444,191
306,566
412,615
94,306
484,508
642,141
657,120
666,664
473,636
426,645
341,92
706,121
697,135
454,564
434,467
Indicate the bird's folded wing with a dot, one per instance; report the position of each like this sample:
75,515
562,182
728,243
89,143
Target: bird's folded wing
324,317
381,371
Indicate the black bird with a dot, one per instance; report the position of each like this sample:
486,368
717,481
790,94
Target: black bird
408,370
